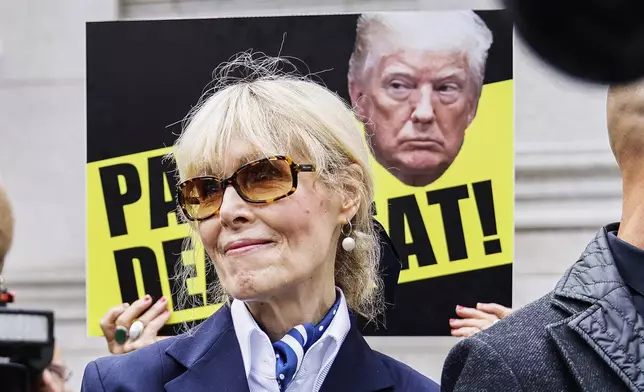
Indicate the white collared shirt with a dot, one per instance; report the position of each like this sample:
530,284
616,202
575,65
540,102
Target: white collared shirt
259,356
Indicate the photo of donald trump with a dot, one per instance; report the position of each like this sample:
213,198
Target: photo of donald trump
415,79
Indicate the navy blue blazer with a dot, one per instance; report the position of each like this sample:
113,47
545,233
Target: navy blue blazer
210,360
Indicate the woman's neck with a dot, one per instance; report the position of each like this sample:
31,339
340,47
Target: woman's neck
307,303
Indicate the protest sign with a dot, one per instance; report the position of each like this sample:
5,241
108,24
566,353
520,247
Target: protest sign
453,229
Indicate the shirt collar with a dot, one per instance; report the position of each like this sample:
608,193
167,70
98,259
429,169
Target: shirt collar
252,339
629,260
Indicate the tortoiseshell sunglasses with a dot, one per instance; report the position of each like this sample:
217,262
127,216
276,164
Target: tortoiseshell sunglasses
265,180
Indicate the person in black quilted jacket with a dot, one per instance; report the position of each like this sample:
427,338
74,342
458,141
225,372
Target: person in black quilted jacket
587,334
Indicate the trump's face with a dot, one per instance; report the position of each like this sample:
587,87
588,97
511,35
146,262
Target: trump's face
416,105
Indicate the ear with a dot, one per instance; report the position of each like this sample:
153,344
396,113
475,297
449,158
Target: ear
351,193
356,94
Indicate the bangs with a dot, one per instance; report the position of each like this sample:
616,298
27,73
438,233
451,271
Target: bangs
269,118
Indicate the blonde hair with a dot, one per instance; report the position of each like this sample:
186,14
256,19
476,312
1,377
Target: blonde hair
280,112
462,31
6,225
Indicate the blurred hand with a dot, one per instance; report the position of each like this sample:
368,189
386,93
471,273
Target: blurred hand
477,319
153,318
55,376
51,382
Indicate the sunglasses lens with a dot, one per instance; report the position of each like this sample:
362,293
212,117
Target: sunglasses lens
262,181
265,180
201,197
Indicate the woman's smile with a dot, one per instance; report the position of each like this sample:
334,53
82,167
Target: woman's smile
246,245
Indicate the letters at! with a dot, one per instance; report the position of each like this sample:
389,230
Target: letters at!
442,231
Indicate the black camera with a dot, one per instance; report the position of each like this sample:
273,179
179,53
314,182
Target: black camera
26,344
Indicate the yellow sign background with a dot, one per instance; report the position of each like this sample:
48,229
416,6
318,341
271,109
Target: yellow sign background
487,154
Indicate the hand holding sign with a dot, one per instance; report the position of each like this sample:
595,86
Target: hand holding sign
153,318
476,320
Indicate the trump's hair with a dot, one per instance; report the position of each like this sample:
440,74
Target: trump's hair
282,112
462,31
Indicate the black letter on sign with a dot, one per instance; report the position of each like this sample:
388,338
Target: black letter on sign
485,204
172,252
448,199
114,199
125,270
402,207
159,206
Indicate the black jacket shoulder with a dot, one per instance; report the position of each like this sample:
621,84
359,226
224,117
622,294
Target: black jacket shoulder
585,335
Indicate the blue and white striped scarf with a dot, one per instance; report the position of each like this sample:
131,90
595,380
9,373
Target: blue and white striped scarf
290,350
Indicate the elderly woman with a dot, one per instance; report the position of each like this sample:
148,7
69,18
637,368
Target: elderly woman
275,181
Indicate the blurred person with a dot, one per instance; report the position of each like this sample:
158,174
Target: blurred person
56,375
473,320
415,79
6,226
276,185
585,335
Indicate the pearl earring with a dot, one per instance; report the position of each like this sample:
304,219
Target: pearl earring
348,243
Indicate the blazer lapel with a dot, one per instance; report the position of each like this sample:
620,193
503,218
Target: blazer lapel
211,356
581,359
357,368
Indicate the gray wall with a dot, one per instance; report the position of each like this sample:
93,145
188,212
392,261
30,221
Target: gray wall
566,179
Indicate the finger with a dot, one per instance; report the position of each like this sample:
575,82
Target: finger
159,307
499,311
464,312
465,332
48,384
149,335
109,318
47,377
470,322
115,348
153,327
134,311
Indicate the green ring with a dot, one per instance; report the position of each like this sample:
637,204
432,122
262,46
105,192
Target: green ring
120,334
